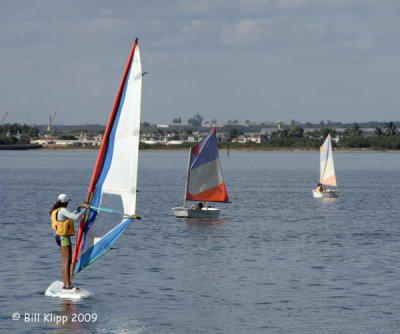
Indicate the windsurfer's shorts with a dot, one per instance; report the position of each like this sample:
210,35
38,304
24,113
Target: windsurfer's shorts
63,240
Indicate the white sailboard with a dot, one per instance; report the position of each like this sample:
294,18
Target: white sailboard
56,290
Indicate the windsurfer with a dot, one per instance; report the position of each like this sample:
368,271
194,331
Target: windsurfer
62,221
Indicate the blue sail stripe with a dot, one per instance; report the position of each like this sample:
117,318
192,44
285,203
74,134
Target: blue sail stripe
208,151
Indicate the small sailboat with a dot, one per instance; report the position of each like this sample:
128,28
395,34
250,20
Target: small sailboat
327,171
204,180
112,191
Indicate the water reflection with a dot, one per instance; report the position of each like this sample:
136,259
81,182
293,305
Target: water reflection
204,222
328,199
70,309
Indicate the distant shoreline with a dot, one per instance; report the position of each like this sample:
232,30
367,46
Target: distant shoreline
185,149
235,149
19,147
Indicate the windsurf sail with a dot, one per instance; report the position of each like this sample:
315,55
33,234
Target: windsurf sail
205,181
327,169
114,179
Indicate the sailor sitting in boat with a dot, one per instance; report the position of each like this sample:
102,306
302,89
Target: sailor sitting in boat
319,188
198,206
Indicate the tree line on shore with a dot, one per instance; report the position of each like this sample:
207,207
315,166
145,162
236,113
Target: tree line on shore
354,137
384,136
17,133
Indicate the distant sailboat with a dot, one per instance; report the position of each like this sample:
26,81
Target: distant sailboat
112,191
204,180
327,171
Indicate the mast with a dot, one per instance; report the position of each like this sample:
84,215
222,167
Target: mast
187,178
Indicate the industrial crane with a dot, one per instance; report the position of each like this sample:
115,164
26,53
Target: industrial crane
4,117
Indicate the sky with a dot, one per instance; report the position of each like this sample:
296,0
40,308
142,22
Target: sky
257,60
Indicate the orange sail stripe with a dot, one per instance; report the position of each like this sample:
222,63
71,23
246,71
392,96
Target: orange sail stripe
330,181
215,194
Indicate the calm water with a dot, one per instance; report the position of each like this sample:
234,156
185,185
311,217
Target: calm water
278,261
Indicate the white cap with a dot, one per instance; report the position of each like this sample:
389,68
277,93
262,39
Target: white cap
63,198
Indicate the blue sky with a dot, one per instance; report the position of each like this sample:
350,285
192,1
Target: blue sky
262,60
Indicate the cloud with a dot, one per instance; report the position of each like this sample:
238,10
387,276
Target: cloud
246,32
275,7
196,6
366,44
280,32
239,8
67,56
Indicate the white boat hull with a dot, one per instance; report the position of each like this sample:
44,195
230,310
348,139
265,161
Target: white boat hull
56,290
325,194
189,213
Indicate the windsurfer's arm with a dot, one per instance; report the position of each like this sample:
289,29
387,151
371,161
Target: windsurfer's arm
72,215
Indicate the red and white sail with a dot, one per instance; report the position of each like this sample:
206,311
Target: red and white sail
114,179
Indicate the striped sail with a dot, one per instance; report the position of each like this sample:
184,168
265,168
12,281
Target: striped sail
327,169
114,178
205,181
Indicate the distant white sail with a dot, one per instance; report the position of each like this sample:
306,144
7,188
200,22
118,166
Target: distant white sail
327,169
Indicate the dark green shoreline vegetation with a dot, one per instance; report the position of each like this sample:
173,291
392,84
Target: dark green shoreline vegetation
11,134
373,136
284,146
17,137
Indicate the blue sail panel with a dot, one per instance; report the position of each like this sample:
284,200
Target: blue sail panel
101,247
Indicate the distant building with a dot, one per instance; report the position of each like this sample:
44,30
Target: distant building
240,139
267,131
174,142
256,138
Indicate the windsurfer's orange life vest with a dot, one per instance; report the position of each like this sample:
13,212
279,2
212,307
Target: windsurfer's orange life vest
62,228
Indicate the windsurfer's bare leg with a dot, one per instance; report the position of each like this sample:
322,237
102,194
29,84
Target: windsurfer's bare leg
67,270
66,264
